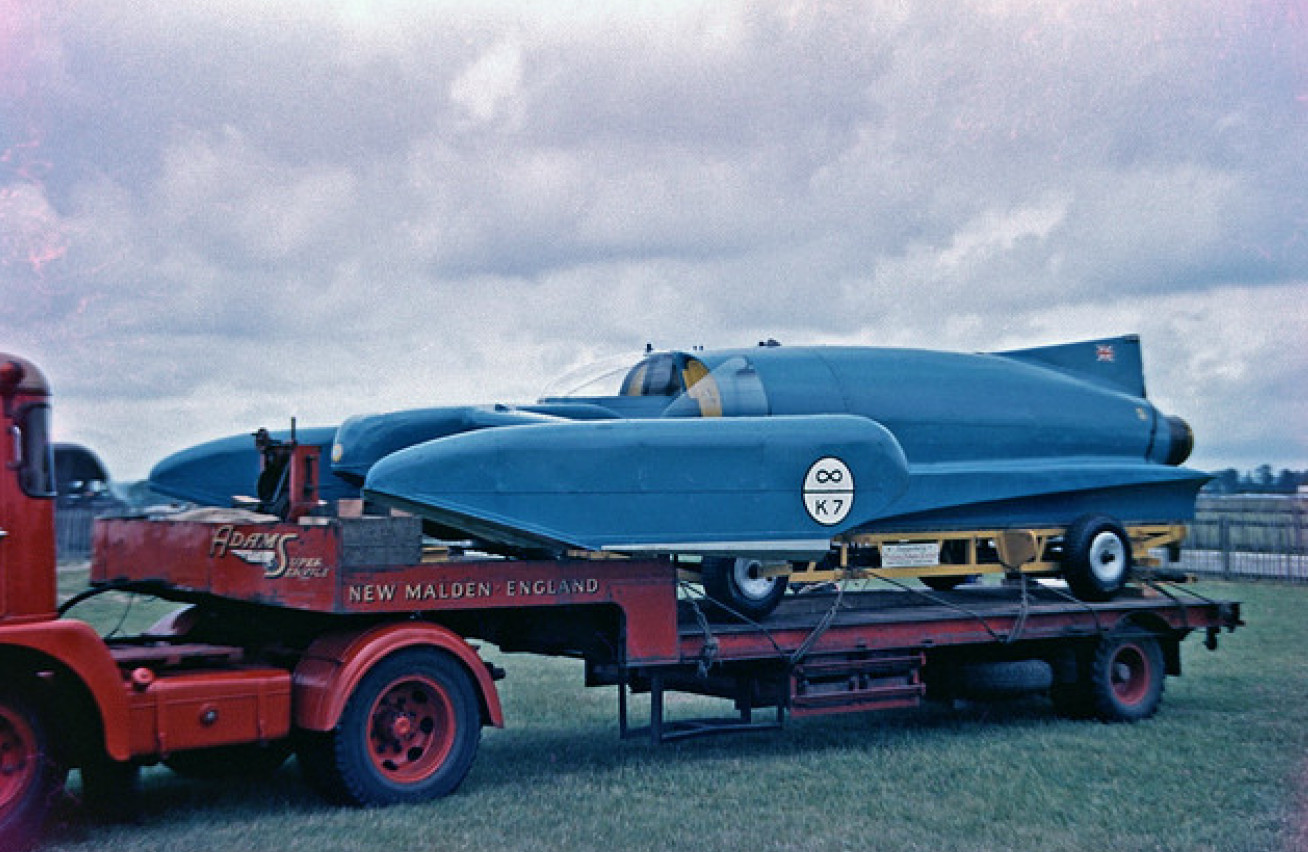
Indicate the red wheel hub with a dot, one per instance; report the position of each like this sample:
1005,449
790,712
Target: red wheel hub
19,757
412,729
1130,674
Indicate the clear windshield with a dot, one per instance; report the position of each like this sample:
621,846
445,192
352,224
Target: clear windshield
658,374
599,379
691,388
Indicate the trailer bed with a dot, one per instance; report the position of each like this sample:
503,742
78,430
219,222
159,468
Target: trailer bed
375,566
827,648
908,618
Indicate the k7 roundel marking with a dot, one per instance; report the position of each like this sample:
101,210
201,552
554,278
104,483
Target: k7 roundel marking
828,491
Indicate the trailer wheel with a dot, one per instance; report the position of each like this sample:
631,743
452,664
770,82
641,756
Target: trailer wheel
30,776
1096,558
408,733
1127,677
738,588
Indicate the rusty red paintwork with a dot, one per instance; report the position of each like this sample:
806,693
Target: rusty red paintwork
302,566
291,565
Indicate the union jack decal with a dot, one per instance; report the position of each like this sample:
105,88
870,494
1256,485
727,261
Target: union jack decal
1104,352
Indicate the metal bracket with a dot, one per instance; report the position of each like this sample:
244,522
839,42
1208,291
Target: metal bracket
660,730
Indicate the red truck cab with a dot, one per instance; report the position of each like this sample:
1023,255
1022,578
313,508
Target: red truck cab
29,774
27,492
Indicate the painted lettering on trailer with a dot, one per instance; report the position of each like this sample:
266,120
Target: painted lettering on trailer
454,590
447,591
528,588
266,549
372,593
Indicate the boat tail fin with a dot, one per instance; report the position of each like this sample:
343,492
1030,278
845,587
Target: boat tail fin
1112,362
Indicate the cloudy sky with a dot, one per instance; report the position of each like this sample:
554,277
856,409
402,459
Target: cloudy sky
216,216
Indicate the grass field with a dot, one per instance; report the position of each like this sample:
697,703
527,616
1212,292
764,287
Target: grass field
1219,768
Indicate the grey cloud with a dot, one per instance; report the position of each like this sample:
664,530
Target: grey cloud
214,212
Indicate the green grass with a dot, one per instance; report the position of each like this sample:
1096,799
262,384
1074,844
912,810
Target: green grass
1219,768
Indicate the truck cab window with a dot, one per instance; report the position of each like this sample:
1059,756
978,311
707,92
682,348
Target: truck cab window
35,457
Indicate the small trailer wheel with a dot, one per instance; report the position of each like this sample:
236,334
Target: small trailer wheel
1096,558
737,586
1127,677
409,733
30,776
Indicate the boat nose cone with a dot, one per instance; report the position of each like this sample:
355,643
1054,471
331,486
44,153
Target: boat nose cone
1180,441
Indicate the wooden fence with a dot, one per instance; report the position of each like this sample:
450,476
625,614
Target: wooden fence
1249,536
73,533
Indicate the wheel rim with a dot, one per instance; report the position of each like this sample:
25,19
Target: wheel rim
19,757
412,729
747,577
1130,674
1107,557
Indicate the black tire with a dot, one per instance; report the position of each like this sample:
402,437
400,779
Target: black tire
1001,680
1127,677
1096,558
31,777
409,733
736,589
942,584
247,760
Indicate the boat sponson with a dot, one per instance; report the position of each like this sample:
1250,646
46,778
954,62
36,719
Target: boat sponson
712,485
1042,493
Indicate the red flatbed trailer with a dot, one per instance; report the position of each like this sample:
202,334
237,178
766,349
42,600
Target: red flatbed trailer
341,639
636,626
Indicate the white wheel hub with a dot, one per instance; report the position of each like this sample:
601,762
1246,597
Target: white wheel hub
748,578
1107,557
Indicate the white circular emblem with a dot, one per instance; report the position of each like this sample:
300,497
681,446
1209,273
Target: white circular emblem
828,491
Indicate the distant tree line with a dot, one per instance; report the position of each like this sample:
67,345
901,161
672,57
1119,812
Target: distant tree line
1261,480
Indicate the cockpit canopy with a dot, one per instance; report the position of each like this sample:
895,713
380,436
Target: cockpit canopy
672,384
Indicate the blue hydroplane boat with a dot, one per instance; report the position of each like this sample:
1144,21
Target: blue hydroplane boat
745,456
